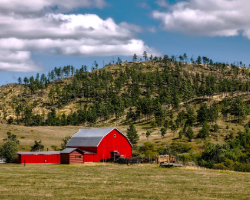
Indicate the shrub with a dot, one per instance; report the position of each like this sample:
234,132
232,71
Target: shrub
219,166
190,133
153,124
216,128
10,120
181,133
180,147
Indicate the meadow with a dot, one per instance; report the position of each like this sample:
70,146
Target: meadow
113,181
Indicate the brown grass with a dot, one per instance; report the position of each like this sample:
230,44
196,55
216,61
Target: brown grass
111,181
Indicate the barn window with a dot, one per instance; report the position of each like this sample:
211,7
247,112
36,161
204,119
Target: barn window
78,156
114,135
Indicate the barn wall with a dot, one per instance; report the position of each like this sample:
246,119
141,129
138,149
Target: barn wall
90,158
111,143
75,157
55,158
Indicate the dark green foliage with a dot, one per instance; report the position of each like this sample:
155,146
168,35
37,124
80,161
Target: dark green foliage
180,147
216,128
202,113
148,133
132,134
233,156
189,133
38,146
163,132
239,109
10,120
10,148
181,133
204,132
65,140
191,117
174,128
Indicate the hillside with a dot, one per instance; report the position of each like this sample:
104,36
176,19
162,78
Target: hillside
179,96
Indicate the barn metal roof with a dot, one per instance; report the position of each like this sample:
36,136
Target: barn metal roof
69,150
39,153
89,137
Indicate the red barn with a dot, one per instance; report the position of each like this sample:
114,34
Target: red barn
100,144
38,157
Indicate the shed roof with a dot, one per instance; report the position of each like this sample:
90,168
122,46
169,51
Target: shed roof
39,153
69,150
90,137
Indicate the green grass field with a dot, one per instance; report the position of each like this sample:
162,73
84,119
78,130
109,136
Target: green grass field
111,181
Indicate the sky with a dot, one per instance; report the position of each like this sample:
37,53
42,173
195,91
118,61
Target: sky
37,36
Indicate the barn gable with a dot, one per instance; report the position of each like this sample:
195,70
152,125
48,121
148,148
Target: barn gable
90,137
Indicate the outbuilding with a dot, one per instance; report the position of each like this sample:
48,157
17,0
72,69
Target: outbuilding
75,156
38,157
101,144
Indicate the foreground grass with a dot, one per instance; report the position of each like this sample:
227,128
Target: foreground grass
109,181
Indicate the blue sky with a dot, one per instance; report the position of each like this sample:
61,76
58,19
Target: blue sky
40,37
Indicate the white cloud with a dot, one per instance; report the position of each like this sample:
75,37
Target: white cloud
17,61
152,29
37,6
162,3
61,34
207,17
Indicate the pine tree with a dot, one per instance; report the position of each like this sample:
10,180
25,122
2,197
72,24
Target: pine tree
38,146
202,113
132,134
190,133
145,55
204,132
148,133
163,132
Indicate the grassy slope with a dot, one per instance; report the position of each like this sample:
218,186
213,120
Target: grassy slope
109,181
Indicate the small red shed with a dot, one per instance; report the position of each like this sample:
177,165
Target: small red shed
38,157
101,143
75,156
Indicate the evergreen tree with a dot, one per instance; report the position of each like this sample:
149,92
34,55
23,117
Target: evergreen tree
148,133
190,133
132,134
65,141
135,57
163,132
145,55
202,113
37,146
239,109
204,132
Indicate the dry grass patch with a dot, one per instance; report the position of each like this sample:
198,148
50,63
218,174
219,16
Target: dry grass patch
110,181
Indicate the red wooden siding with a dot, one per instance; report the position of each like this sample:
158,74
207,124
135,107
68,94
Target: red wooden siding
114,143
55,158
75,157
